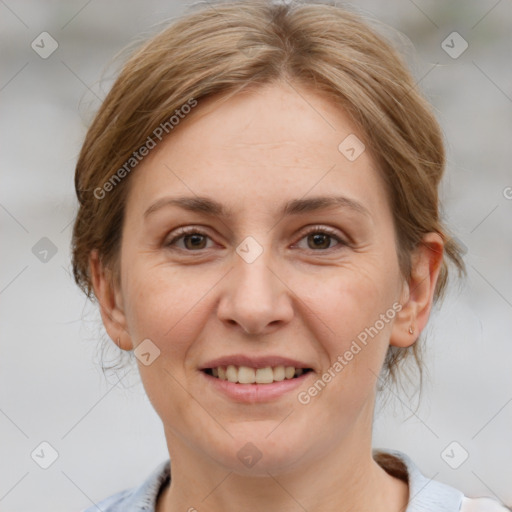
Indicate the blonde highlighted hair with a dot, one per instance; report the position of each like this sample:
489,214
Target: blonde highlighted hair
226,47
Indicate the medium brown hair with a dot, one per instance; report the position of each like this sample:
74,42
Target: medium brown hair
226,47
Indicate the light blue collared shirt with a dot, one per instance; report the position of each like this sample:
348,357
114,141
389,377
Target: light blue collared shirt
425,495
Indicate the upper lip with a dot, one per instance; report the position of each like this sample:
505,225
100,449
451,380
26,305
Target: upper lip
253,362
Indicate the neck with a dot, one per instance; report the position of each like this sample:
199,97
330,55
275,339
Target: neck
344,478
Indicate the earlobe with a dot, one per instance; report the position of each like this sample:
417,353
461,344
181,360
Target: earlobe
418,293
110,302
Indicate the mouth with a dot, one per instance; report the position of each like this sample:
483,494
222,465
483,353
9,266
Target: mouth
250,375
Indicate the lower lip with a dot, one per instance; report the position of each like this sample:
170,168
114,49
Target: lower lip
253,393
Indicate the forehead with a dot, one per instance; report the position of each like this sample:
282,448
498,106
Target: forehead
267,146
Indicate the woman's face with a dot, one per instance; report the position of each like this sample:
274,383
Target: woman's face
253,287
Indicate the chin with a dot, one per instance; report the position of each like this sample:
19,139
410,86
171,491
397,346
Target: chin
259,451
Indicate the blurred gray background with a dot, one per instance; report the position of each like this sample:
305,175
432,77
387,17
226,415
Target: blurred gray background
106,435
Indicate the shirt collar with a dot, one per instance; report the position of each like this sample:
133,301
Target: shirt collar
425,494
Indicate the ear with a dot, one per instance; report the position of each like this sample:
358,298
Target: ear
108,294
418,292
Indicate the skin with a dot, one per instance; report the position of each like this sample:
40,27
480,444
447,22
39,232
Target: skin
300,298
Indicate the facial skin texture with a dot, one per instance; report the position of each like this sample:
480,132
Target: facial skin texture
253,153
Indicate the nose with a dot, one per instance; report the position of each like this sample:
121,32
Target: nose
255,298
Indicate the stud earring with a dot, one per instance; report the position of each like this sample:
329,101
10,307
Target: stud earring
411,330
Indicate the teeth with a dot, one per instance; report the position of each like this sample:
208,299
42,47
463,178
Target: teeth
246,375
279,373
232,373
289,372
264,375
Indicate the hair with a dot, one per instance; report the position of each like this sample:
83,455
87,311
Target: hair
224,48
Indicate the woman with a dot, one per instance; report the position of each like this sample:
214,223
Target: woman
259,223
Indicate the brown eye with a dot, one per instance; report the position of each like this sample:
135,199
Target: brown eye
193,240
196,241
320,239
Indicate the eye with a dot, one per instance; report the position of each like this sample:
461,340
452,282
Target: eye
193,239
320,238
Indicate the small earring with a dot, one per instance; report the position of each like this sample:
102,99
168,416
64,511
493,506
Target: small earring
411,330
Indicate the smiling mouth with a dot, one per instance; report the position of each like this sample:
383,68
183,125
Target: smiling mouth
248,375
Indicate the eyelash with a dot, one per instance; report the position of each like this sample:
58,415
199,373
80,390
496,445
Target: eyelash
316,229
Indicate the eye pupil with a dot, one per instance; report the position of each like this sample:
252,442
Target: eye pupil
318,239
195,239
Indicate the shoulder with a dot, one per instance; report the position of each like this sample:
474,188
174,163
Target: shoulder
140,498
482,505
426,494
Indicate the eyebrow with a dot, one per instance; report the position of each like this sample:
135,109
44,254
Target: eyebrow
211,207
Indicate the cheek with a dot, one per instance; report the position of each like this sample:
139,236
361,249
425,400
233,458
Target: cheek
354,347
167,307
352,320
163,304
348,299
